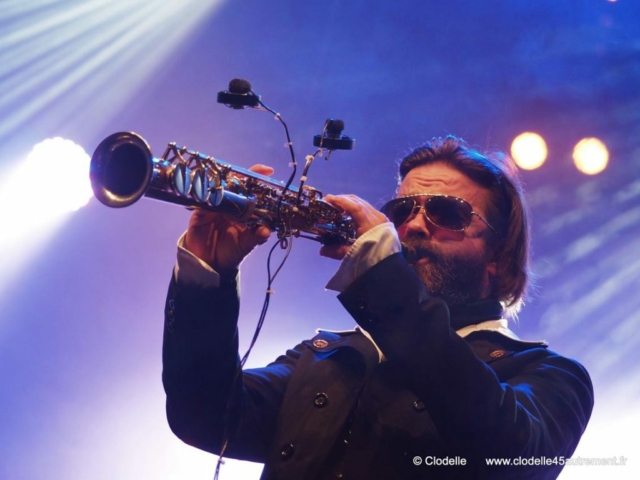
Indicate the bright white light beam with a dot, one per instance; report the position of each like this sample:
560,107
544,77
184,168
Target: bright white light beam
37,196
95,55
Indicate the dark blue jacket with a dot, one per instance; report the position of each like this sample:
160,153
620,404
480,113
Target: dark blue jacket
328,407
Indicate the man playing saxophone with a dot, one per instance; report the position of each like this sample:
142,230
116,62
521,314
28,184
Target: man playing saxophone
430,384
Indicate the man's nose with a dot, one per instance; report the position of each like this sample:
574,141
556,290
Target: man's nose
418,225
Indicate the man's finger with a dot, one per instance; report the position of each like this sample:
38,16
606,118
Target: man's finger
262,169
252,237
261,234
347,203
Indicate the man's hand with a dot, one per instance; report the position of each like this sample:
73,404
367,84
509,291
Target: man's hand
364,216
220,241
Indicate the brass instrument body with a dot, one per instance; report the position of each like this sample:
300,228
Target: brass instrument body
123,170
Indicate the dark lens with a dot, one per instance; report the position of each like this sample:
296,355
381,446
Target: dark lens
449,212
398,210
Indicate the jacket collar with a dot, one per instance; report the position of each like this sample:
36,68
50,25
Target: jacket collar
484,315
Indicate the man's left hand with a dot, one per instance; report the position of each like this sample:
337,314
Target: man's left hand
364,216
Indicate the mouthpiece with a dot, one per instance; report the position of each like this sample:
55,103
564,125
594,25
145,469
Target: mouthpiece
409,253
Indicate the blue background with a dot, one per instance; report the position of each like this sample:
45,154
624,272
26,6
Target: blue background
81,321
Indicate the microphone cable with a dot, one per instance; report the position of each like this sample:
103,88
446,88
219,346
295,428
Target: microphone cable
285,240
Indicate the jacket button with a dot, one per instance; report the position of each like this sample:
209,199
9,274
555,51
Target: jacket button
320,343
419,406
321,400
286,452
497,353
361,304
170,315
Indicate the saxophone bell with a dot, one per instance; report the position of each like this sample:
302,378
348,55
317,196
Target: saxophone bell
121,169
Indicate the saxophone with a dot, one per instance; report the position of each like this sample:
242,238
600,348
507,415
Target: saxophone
123,170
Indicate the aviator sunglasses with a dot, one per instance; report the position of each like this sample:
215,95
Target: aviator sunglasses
444,211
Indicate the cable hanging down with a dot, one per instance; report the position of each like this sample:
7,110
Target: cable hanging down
240,96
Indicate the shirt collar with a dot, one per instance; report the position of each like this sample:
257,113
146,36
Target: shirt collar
474,313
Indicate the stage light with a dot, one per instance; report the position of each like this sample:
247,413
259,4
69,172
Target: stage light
590,156
37,196
52,181
59,169
529,150
74,64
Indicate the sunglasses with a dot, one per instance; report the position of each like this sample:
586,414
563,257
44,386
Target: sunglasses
444,211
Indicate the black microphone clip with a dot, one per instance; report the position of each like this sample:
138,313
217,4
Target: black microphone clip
239,95
332,138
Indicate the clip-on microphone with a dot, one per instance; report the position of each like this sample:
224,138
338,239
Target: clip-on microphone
239,95
332,138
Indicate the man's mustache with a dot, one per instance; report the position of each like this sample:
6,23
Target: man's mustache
414,249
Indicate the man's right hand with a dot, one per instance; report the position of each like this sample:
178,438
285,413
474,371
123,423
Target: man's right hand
220,241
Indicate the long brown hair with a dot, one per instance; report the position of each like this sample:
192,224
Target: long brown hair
506,211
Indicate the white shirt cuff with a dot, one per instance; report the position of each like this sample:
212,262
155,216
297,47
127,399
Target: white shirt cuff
372,247
190,271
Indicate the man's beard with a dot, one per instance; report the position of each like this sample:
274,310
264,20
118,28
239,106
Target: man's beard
453,278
